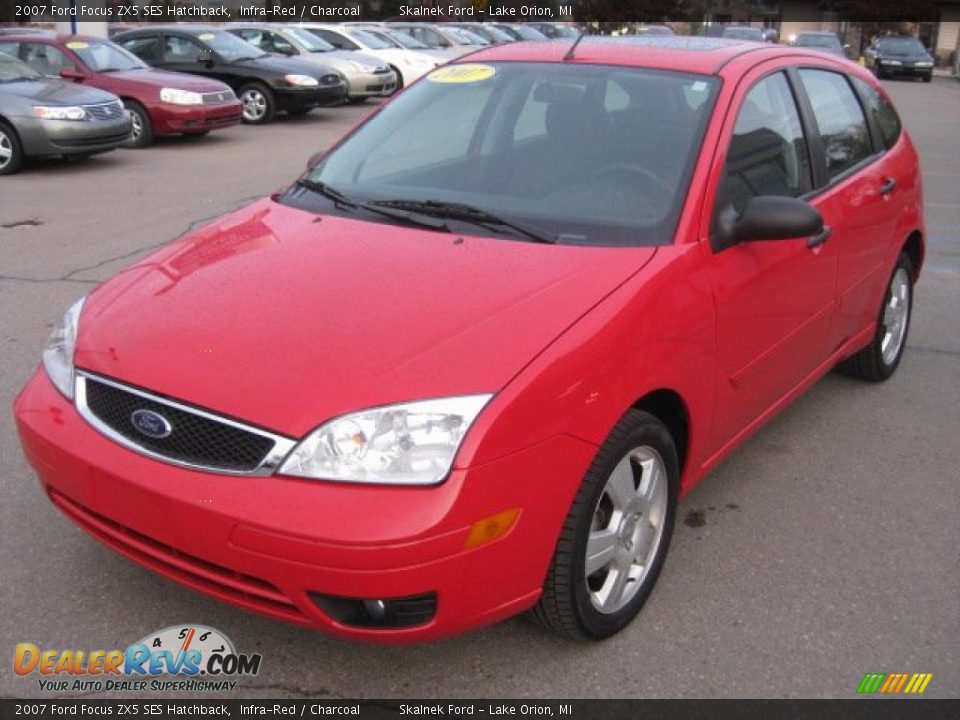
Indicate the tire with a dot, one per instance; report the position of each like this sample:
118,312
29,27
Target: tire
641,453
880,359
259,105
11,150
142,134
396,71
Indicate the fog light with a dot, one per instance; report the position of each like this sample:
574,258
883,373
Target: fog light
378,613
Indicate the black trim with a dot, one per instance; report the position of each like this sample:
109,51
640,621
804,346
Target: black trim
811,131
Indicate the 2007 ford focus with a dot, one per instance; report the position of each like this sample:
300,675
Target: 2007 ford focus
464,367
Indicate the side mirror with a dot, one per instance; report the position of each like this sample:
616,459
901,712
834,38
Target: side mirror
206,58
315,159
768,217
445,44
286,50
75,75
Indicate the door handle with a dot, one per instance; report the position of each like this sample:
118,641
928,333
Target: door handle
888,186
820,238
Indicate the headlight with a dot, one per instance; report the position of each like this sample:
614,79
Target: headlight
175,96
923,63
891,62
59,112
408,444
301,80
58,352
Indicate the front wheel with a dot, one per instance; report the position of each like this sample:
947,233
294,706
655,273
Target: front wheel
615,538
11,151
141,135
880,359
258,104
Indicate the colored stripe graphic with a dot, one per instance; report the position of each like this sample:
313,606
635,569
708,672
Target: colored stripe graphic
894,683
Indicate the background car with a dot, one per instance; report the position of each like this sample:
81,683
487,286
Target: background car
494,35
558,31
407,65
41,116
654,30
451,42
743,32
899,56
264,83
159,102
826,42
521,31
365,75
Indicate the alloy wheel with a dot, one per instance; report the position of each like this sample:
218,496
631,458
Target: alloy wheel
254,104
626,530
137,125
896,314
6,149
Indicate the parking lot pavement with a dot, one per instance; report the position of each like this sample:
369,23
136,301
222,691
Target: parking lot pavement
823,549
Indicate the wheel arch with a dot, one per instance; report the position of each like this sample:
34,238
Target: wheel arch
669,407
915,250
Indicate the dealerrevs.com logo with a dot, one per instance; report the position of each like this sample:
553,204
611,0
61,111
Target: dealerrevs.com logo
190,658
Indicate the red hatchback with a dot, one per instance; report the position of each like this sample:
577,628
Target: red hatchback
159,102
465,366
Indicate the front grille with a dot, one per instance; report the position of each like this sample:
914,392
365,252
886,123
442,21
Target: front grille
105,111
194,439
205,576
215,98
330,80
114,138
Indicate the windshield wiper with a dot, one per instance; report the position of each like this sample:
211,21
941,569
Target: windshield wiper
345,203
469,214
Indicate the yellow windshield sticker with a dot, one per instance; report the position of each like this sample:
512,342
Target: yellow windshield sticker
467,73
206,36
75,45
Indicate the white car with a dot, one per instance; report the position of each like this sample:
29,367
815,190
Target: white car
409,65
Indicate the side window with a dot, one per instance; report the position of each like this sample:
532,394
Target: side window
279,44
254,37
340,42
10,48
181,50
768,152
147,48
882,113
45,59
843,128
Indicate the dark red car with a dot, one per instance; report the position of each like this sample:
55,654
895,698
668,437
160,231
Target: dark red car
160,102
465,366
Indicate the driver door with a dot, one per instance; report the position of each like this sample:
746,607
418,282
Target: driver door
774,299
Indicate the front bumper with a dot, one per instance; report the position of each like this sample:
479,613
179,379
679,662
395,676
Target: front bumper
303,98
364,85
266,543
67,137
171,119
906,70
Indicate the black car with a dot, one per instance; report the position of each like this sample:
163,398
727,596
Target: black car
264,82
894,55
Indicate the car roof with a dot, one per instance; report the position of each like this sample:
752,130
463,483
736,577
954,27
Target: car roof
50,37
694,54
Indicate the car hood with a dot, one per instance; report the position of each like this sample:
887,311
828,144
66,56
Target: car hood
354,55
56,92
152,77
280,64
284,318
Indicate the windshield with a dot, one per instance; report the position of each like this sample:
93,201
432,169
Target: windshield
11,69
230,47
528,33
105,56
379,34
307,40
743,33
904,45
588,154
370,41
464,37
404,40
827,41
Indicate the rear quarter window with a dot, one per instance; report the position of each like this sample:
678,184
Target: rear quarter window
881,111
840,119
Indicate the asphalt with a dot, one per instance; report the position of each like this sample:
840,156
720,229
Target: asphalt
826,547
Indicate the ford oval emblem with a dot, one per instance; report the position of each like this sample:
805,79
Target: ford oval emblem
151,424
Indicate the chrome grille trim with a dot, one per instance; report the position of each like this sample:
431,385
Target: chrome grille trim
281,445
213,98
105,111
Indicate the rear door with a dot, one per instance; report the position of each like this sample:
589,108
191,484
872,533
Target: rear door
774,299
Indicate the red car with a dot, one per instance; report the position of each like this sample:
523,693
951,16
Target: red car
159,102
465,366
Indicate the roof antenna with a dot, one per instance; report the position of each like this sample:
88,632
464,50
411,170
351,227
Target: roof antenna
569,55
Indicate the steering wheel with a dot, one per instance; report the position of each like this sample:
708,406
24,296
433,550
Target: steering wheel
627,169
